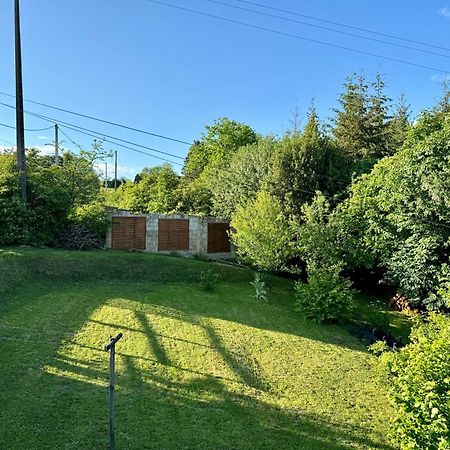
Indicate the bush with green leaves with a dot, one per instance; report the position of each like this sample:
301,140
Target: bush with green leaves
261,232
418,379
396,217
209,280
52,193
92,216
261,289
326,297
12,211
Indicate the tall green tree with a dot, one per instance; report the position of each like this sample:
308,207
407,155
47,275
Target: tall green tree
157,191
351,123
397,216
399,124
443,104
241,180
361,122
216,146
211,152
305,163
378,112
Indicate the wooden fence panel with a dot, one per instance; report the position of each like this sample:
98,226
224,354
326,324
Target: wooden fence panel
173,234
218,239
128,233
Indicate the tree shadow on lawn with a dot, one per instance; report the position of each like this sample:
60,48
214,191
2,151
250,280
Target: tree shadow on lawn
155,412
237,304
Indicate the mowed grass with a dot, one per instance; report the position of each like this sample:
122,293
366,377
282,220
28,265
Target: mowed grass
195,370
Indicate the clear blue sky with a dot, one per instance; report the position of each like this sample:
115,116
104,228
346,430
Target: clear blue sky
172,72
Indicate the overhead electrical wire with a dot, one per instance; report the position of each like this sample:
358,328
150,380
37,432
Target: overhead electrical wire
8,142
117,144
87,130
254,11
27,129
340,24
68,137
297,36
100,138
137,130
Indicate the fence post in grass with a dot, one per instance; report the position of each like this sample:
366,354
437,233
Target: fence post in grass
111,347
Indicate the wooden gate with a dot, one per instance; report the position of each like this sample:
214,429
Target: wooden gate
218,239
128,233
173,234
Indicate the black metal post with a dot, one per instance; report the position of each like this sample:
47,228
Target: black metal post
111,347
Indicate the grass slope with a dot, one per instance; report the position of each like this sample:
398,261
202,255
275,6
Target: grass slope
195,370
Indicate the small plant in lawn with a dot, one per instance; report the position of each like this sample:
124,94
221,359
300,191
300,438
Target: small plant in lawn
209,280
378,347
326,297
261,289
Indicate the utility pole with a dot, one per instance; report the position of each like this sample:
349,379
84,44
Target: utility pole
111,347
20,128
106,175
56,145
115,170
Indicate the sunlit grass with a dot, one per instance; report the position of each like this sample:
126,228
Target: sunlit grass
216,370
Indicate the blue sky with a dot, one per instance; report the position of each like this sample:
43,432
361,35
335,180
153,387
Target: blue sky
172,72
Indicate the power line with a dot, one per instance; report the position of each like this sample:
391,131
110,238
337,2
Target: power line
8,142
103,140
297,36
87,130
26,129
340,24
102,120
68,137
119,145
328,29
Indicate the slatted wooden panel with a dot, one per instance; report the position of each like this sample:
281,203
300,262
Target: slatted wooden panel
128,233
218,239
173,234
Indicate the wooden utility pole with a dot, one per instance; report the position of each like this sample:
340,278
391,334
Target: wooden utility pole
111,347
56,145
106,175
115,170
20,128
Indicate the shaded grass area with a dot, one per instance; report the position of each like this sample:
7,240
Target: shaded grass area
374,312
216,370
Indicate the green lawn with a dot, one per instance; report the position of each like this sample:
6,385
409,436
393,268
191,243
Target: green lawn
195,370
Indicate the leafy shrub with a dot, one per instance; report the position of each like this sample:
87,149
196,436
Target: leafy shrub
261,233
379,347
396,217
418,379
92,217
209,280
261,289
326,297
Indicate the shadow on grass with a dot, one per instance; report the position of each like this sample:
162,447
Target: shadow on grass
154,412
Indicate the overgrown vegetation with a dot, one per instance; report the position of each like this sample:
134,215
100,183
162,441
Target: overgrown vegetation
326,297
418,379
60,199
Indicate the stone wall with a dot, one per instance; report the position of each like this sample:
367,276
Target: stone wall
198,233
